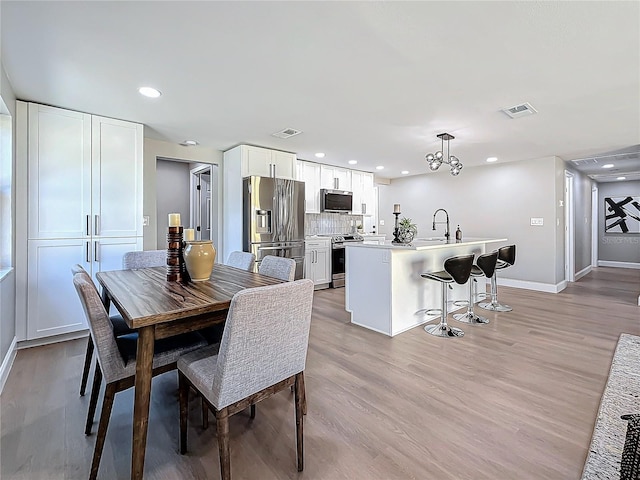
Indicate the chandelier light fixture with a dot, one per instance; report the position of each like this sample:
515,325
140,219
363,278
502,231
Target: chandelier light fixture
436,159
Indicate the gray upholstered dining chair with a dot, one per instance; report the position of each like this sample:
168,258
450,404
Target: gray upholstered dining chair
242,260
144,259
116,359
278,267
263,350
119,328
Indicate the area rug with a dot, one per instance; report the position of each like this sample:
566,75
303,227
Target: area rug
621,396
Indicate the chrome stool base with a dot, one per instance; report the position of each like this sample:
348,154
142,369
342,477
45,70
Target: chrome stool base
443,330
495,307
470,318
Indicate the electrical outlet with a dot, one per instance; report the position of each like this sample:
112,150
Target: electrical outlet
145,221
538,222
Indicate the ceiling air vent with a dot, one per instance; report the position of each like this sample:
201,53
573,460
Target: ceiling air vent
286,133
520,110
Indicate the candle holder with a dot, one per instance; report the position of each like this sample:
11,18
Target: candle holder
396,240
175,260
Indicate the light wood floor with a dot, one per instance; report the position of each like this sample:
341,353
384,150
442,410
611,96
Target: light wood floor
515,399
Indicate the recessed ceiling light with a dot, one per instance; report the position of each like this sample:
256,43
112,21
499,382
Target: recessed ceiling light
621,178
189,143
320,155
608,165
353,162
149,92
492,159
405,172
379,167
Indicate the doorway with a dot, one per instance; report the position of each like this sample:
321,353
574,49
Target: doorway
200,208
569,229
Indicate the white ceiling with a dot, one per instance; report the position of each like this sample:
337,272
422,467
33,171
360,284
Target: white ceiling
370,81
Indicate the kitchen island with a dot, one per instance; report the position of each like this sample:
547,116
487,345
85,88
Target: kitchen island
384,289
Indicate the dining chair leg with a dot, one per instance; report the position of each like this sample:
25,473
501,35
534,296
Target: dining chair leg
183,396
304,394
222,429
299,396
107,403
93,402
205,414
87,366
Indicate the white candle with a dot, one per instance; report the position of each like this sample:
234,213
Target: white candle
396,208
189,234
174,220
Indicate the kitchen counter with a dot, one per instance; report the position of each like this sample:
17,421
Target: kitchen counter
384,289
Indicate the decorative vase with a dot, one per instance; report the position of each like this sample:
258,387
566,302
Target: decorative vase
199,257
405,235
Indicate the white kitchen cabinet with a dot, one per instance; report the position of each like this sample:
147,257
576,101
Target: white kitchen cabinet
53,303
309,173
363,193
84,205
263,162
317,261
116,172
335,178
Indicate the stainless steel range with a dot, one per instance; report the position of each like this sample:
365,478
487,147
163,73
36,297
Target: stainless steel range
338,256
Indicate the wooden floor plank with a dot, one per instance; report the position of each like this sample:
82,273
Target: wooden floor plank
516,398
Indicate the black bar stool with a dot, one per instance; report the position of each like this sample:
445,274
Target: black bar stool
456,269
485,266
506,258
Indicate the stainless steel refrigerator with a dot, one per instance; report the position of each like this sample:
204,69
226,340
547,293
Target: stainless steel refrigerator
273,219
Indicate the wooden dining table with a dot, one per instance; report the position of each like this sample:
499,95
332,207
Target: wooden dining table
158,308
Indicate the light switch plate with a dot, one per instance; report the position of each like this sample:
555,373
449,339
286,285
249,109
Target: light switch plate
382,223
537,221
145,221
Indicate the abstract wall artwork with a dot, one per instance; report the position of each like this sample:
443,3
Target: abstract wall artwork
622,214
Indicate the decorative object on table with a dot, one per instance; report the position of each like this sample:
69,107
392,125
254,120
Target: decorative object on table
622,214
199,257
174,254
359,228
630,464
406,231
189,234
396,212
436,159
458,235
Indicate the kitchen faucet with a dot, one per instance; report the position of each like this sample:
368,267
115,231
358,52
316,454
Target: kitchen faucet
447,222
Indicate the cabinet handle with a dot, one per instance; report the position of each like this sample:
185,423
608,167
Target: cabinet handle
96,225
274,170
88,222
315,253
96,258
88,253
336,183
364,208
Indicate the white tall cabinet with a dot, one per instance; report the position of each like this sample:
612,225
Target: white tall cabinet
84,205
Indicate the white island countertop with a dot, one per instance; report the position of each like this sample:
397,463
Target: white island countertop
385,291
427,243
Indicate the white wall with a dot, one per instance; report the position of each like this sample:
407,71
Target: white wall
491,201
154,149
617,247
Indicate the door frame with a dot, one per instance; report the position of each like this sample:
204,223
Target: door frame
594,224
569,228
194,206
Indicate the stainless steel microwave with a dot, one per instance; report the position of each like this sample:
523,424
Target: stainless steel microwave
338,201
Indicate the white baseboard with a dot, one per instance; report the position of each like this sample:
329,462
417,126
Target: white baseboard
606,263
7,363
537,286
583,272
38,342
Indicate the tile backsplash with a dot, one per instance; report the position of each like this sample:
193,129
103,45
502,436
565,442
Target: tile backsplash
328,223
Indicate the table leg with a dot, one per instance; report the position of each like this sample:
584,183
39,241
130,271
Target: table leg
106,300
144,364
